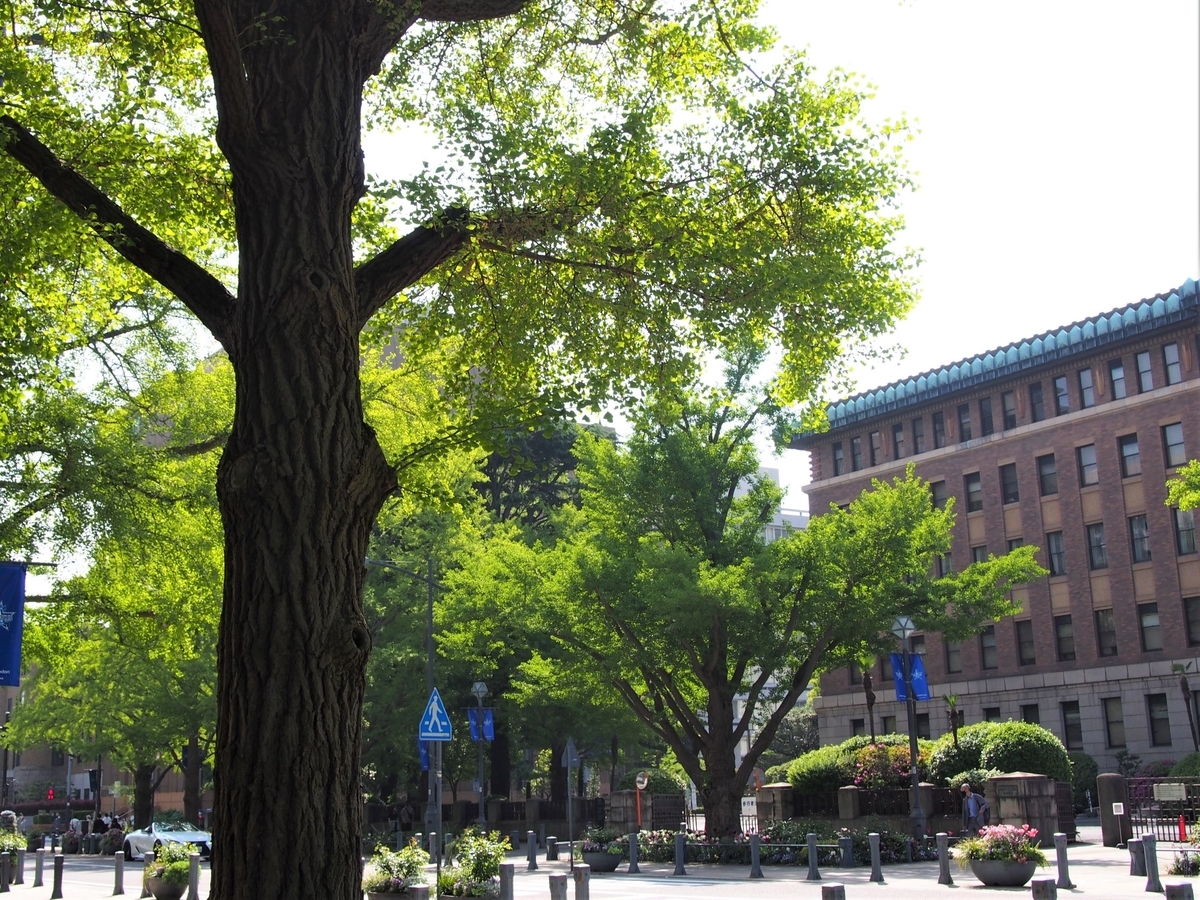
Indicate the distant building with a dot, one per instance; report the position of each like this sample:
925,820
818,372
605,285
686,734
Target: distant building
1064,441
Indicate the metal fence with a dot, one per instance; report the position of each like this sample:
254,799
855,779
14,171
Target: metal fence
1155,805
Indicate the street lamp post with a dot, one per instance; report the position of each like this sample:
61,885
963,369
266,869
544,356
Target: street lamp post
479,689
904,628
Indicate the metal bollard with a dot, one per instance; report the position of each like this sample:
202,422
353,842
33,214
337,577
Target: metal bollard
1180,891
583,874
148,864
633,853
38,864
542,835
1153,885
1044,889
876,865
20,879
943,845
531,838
680,852
1064,874
193,876
119,873
514,838
558,887
755,857
833,891
4,871
908,849
551,849
507,870
419,891
56,891
1137,857
846,846
814,873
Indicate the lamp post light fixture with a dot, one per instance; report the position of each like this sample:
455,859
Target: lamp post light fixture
904,628
479,689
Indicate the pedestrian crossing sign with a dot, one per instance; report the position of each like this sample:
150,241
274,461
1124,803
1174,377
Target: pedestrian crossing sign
435,723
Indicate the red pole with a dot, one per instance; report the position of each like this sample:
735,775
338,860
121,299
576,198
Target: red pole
1182,829
639,804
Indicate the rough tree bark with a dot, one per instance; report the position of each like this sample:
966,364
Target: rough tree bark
191,781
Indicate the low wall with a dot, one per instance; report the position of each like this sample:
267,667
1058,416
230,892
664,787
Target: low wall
854,806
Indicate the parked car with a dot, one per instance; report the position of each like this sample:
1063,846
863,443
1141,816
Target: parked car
150,838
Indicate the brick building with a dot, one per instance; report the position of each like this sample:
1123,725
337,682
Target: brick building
1064,440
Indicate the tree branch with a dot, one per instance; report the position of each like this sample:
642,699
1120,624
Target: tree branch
199,290
408,260
469,10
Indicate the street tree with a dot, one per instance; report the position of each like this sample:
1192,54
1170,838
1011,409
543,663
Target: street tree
661,585
622,184
1184,489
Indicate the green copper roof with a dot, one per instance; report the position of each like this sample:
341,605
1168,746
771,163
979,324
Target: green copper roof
1071,340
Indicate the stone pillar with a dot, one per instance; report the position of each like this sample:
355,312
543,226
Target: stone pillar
814,874
775,802
876,865
583,874
833,891
506,881
1115,830
1044,889
1180,891
848,802
1153,885
119,873
551,848
1137,858
558,887
1064,874
943,845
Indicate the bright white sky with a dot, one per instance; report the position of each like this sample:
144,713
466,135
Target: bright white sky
1058,156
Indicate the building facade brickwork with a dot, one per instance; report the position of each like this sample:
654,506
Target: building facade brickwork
1064,441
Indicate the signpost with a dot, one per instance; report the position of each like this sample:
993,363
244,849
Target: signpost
435,727
643,779
570,760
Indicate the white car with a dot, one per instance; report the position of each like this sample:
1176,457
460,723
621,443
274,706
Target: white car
150,838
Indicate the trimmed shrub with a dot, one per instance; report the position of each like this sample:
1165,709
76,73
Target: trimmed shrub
777,774
947,761
1083,778
1022,747
660,782
1189,765
974,777
824,769
855,761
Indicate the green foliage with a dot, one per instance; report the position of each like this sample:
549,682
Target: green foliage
1128,763
1188,766
660,782
1083,778
976,778
947,761
477,859
389,871
1001,842
171,862
1184,489
1024,747
797,735
856,760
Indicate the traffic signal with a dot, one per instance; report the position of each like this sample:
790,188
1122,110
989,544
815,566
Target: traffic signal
50,793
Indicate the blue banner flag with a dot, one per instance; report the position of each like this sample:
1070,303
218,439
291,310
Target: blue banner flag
473,721
489,726
12,616
424,755
920,682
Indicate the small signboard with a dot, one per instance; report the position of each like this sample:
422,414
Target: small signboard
643,779
1170,792
1005,789
1118,809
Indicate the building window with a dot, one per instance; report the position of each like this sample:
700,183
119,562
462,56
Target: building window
1072,725
1173,451
1106,632
1151,632
1116,377
939,430
945,565
940,495
898,441
839,460
987,647
921,725
1131,460
1089,473
858,727
1062,400
954,650
1185,531
1030,714
876,447
979,554
1064,639
1191,615
887,724
916,645
964,422
1008,484
57,757
985,417
1056,552
1171,363
1087,391
1047,475
1160,720
1025,653
1037,406
855,674
1097,546
1008,404
886,673
855,453
1145,376
1114,721
1139,538
918,431
991,714
974,489
1014,543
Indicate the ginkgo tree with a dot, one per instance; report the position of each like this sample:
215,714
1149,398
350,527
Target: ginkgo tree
622,182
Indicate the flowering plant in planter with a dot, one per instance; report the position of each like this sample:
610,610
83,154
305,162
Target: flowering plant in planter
172,863
395,871
603,840
1006,843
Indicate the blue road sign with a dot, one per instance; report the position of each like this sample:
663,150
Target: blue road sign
435,724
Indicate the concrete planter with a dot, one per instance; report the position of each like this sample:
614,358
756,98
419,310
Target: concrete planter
603,862
163,890
1002,872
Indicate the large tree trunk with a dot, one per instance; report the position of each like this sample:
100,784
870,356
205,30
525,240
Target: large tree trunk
300,483
191,781
500,757
143,795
